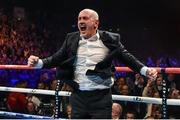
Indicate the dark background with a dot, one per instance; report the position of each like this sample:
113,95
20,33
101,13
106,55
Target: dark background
147,27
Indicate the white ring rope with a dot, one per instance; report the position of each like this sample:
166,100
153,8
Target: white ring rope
145,99
114,97
34,91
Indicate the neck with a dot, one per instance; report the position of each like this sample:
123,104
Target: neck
89,35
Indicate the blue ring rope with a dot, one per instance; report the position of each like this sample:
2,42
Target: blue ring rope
20,115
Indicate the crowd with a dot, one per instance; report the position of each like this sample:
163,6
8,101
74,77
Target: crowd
20,38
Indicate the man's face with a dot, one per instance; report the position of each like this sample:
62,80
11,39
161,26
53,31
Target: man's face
129,116
30,107
115,111
159,81
125,90
87,24
171,77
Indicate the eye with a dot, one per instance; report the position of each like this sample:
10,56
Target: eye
79,18
85,18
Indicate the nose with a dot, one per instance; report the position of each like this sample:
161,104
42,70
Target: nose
81,22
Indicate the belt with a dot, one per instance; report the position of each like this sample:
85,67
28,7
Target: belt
98,91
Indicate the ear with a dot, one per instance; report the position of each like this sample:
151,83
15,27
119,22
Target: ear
96,24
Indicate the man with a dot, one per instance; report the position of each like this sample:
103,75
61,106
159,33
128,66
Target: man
130,115
84,62
116,111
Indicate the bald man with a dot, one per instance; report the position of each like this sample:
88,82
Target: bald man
116,111
84,62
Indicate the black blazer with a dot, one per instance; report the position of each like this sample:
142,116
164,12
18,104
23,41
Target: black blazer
65,57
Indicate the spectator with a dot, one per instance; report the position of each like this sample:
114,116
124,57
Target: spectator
31,108
139,85
173,111
130,115
137,91
116,111
16,101
171,81
69,111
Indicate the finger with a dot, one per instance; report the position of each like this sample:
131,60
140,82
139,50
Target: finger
33,59
152,78
152,73
30,64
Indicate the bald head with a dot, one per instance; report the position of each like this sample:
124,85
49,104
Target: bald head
93,13
116,110
88,22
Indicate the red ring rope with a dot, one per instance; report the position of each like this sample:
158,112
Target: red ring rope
22,67
119,69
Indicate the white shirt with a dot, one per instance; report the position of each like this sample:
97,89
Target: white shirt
89,53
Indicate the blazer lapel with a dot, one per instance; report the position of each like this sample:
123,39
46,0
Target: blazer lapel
74,45
107,41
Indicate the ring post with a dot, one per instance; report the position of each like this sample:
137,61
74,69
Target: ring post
164,95
57,101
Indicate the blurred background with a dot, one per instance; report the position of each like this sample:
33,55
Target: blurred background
148,27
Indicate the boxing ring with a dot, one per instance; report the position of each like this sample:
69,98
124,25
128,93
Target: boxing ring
163,101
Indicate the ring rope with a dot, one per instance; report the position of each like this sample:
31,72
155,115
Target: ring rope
34,91
20,115
22,67
114,97
118,69
166,70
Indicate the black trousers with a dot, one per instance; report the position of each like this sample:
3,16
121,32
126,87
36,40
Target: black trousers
95,104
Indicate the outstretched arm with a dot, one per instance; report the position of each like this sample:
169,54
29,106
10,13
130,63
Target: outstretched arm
134,63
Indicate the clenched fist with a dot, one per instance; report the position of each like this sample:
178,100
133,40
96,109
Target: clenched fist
33,60
151,73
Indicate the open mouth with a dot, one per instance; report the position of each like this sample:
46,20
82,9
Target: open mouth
83,27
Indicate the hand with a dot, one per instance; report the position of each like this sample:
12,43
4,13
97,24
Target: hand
150,83
175,94
151,73
33,60
137,76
